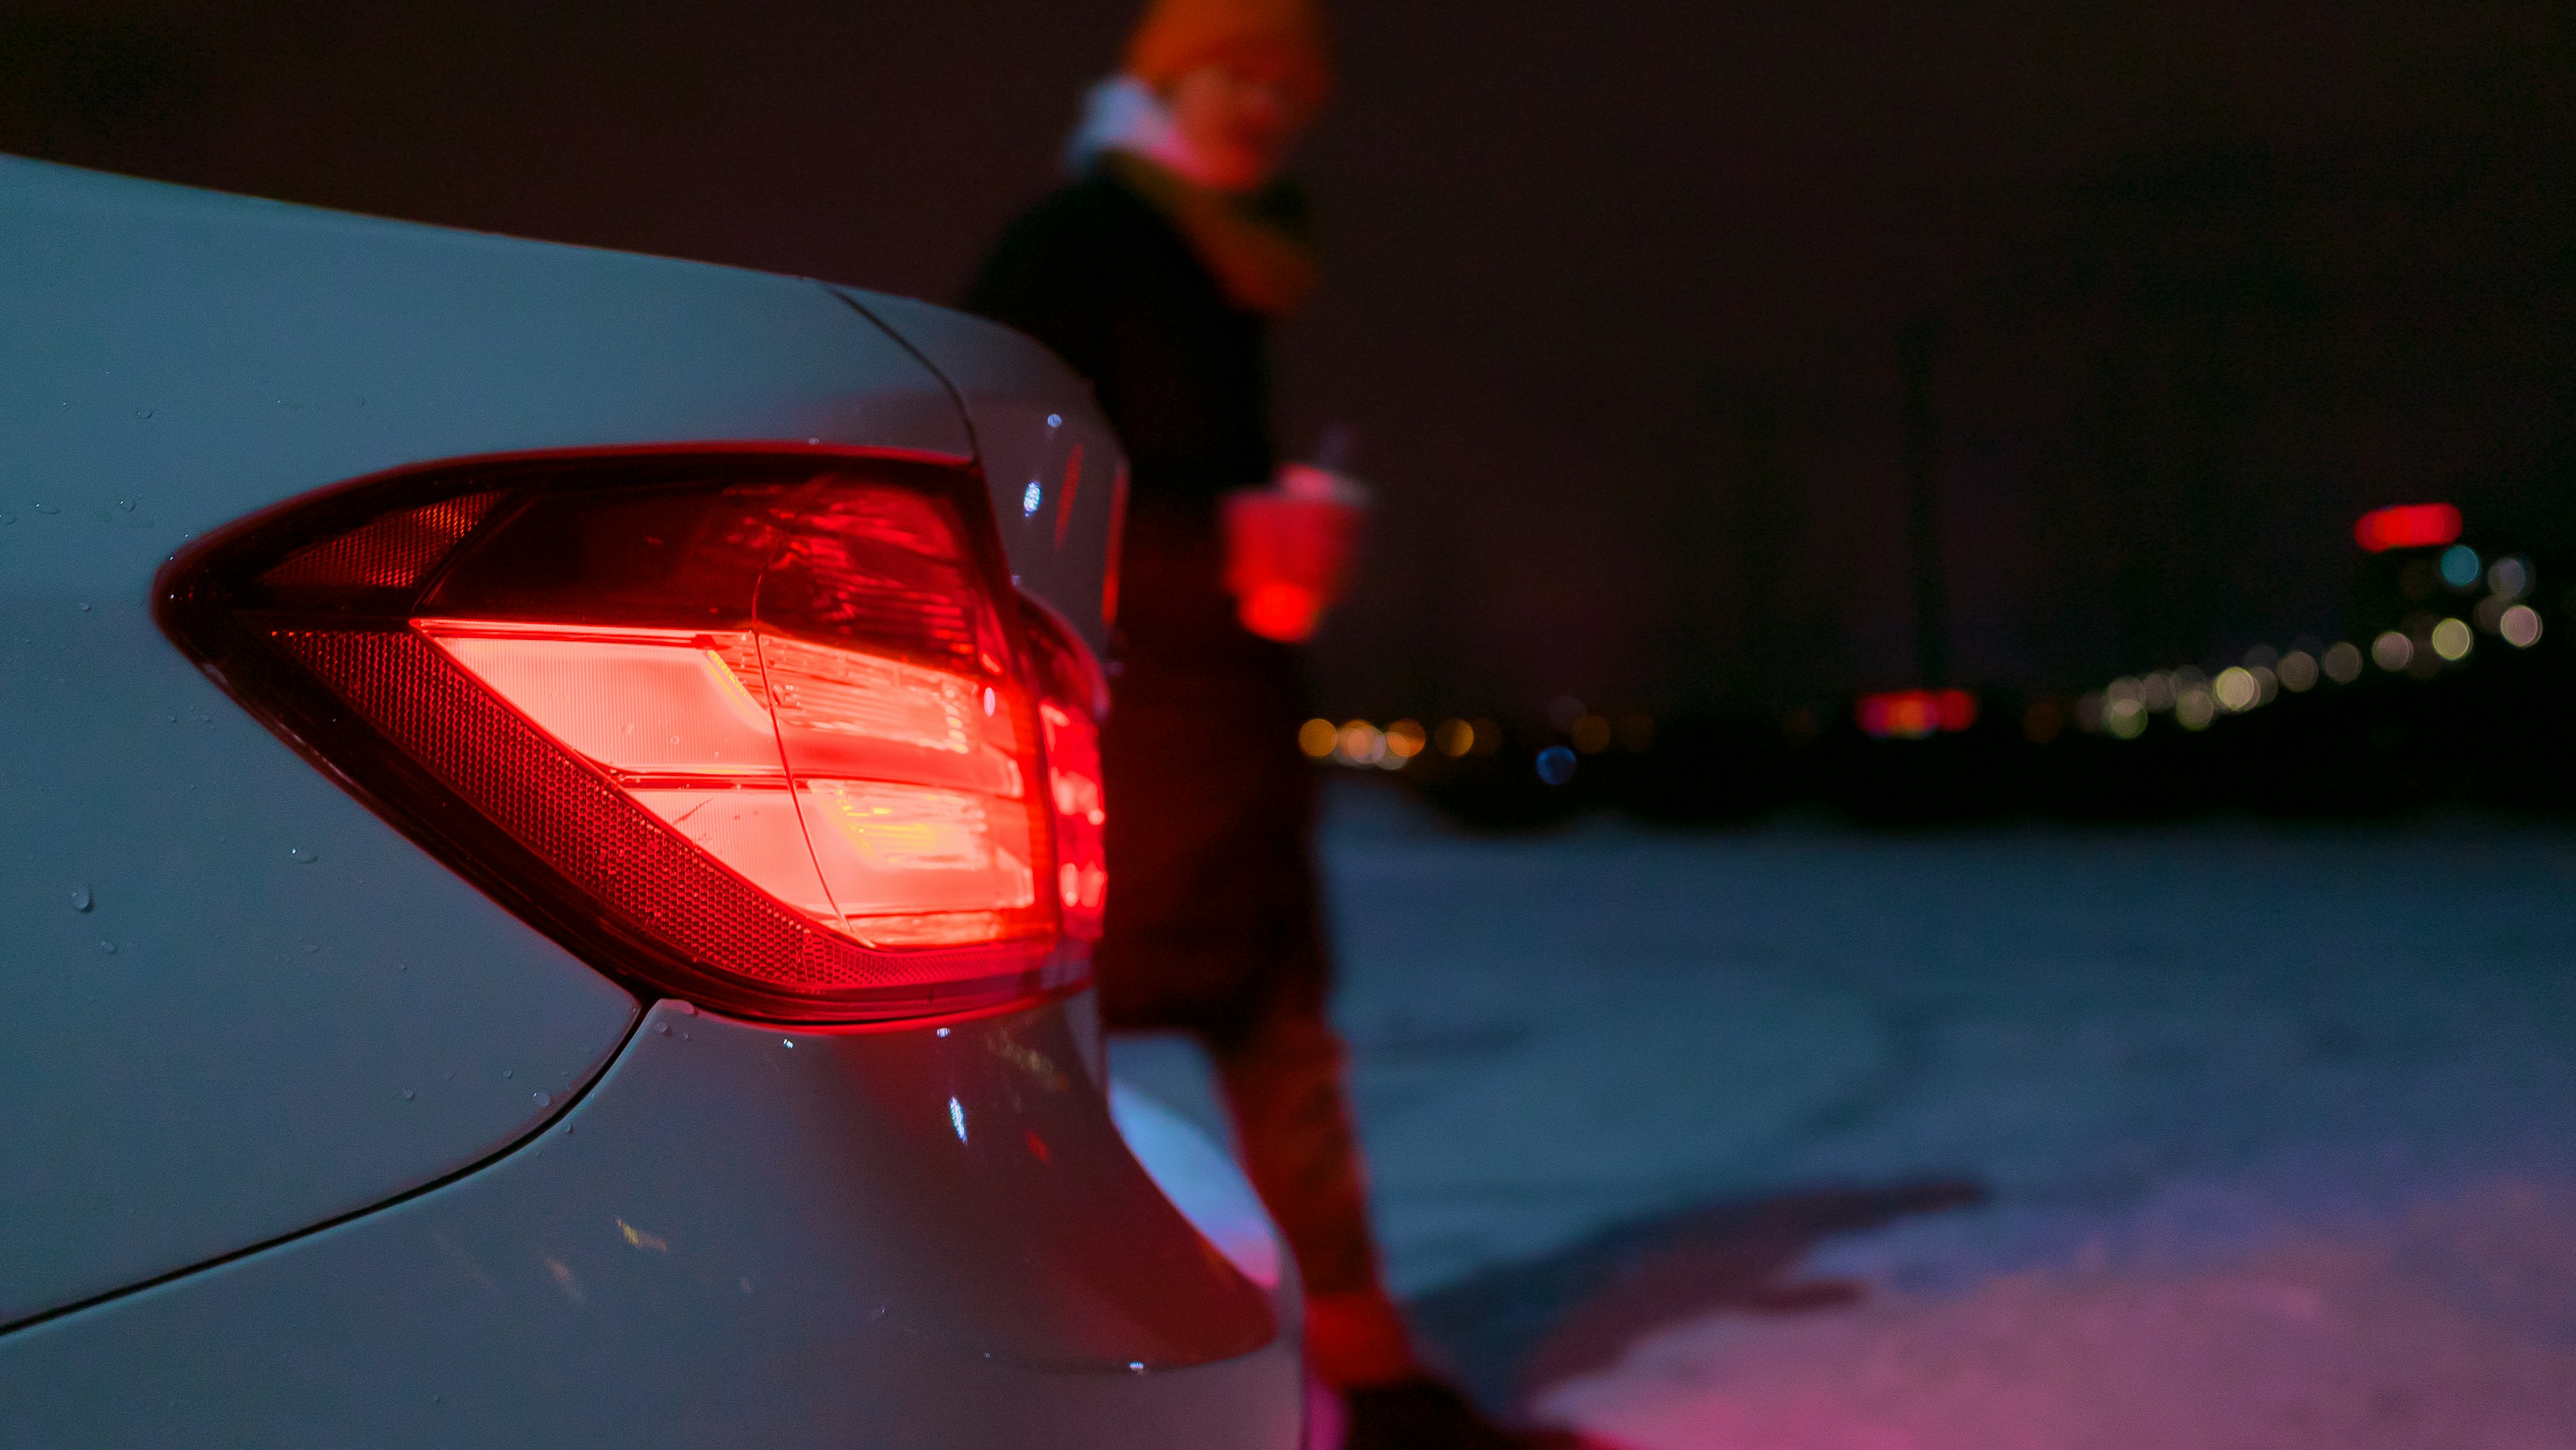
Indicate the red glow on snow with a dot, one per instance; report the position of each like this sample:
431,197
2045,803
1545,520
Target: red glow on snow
1915,714
2407,526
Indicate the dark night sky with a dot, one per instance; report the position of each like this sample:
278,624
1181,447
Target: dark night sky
1616,288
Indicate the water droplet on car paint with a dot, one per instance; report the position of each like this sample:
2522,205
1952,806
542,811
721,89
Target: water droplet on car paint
7,519
302,855
790,1041
406,1094
126,505
542,1099
81,899
47,508
1055,420
685,1009
143,412
1135,1366
957,1118
509,1072
943,1031
84,607
173,719
108,947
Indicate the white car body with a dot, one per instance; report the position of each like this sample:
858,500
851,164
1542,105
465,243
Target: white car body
310,1141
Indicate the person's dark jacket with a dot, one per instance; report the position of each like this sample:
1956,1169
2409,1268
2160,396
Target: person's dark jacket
1212,916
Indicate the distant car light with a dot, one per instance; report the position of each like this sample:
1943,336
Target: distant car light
2407,526
1915,714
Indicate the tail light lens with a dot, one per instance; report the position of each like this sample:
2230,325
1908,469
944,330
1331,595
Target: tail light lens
767,731
1073,699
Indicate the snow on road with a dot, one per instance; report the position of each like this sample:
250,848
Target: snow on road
2221,1134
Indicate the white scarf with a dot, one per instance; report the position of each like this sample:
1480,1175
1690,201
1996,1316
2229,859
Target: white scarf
1122,113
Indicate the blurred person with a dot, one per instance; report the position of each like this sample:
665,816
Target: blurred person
1157,274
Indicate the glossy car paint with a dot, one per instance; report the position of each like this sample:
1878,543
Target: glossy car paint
730,1240
261,1049
1034,421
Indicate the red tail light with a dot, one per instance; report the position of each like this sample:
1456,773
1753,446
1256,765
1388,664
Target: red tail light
769,731
1073,698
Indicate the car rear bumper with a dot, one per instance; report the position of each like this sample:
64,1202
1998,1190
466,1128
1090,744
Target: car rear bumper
921,1236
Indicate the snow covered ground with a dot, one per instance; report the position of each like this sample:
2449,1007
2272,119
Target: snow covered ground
2223,1134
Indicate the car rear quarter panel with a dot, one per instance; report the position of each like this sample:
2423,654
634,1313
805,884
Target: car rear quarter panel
742,1235
237,1003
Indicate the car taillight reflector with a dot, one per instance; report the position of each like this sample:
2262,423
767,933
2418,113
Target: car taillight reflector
1073,698
751,729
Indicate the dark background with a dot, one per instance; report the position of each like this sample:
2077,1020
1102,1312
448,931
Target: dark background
1618,292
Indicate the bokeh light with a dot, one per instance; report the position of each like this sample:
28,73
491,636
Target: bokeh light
1405,739
2509,578
2452,639
1591,734
1555,765
2407,526
1564,710
1487,738
2392,651
2236,690
1361,743
2461,567
2520,626
2125,716
2298,671
1455,737
1316,738
1914,714
2341,662
2194,706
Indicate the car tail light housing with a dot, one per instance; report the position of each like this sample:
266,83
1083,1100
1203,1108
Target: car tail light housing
770,731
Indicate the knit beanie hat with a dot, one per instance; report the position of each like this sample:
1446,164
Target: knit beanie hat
1175,36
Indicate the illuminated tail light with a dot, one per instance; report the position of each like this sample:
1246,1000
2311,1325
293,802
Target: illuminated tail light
767,731
1073,698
